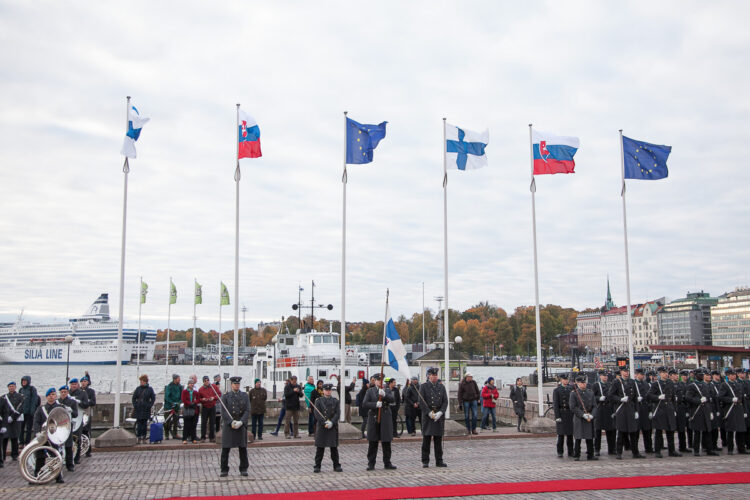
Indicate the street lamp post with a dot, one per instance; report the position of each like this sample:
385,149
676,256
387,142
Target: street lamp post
274,341
68,340
458,341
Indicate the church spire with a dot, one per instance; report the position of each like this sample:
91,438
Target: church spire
609,304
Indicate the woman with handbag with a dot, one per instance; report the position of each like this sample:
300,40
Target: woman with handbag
190,401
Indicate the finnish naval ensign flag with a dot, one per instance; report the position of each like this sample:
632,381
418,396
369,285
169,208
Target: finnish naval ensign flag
395,350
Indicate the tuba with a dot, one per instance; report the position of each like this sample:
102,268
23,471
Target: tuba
55,431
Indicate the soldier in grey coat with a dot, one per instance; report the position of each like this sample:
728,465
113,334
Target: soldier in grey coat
235,410
327,413
624,395
582,404
377,398
433,402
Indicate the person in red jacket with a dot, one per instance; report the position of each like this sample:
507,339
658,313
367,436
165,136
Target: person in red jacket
489,396
190,401
209,396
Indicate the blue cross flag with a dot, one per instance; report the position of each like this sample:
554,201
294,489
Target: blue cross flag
395,350
464,149
645,161
361,141
135,124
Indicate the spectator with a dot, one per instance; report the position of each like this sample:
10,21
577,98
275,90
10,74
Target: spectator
31,402
317,393
258,396
209,397
282,413
489,396
190,401
292,394
468,396
143,400
518,396
172,397
309,388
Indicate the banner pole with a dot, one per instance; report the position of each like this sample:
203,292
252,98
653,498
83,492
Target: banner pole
446,319
237,176
540,375
627,258
342,381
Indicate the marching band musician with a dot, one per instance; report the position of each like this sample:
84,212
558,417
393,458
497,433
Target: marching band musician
664,415
40,418
434,403
623,393
91,395
733,414
327,428
82,400
235,411
582,404
70,403
11,421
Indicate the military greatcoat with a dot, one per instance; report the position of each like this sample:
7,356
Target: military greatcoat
582,402
624,413
701,414
644,405
436,398
238,404
330,409
383,431
561,404
664,412
603,412
14,402
732,412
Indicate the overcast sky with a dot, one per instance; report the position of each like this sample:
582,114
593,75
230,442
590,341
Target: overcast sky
671,73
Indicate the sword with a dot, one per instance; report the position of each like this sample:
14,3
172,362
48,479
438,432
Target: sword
733,403
659,403
222,402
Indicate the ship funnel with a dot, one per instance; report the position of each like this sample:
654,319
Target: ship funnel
99,309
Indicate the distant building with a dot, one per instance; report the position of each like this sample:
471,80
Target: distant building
588,325
615,329
646,325
730,319
273,324
177,350
686,321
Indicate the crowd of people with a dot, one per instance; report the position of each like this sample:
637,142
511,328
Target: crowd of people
700,406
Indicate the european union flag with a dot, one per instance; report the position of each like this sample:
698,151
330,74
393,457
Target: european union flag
645,161
361,141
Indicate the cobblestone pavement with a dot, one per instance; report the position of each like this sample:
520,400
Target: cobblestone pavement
184,472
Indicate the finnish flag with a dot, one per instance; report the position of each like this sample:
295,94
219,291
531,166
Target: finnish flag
135,124
464,149
395,350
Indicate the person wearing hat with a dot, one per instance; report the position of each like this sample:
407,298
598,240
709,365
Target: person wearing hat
209,397
391,384
684,435
582,403
434,400
411,406
91,395
31,402
327,413
743,380
377,402
82,400
733,413
698,396
468,397
662,397
563,415
258,396
172,400
12,420
217,387
40,418
645,409
143,400
717,427
72,406
603,420
235,411
490,395
292,394
624,396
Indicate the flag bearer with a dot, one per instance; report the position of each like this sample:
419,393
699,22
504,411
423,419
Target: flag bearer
378,400
327,429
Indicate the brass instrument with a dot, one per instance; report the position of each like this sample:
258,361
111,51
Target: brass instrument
55,432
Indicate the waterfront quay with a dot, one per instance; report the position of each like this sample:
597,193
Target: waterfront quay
185,471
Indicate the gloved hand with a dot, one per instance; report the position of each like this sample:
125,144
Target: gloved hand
379,404
10,419
703,399
734,400
624,399
438,415
329,424
662,397
2,431
558,420
636,415
432,415
603,398
381,392
640,398
236,424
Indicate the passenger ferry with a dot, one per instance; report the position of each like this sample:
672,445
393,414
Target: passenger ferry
94,340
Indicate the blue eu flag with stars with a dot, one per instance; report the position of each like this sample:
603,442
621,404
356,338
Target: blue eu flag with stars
645,161
361,141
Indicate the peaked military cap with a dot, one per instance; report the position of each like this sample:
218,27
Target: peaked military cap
602,372
661,369
672,371
639,371
327,387
684,372
563,376
376,376
235,379
432,371
580,378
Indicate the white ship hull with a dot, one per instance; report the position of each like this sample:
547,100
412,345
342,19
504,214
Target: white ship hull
57,353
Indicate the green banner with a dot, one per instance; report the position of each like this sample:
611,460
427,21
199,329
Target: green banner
224,296
198,293
144,291
172,293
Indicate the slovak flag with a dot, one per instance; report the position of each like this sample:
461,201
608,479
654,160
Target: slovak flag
553,154
394,348
248,135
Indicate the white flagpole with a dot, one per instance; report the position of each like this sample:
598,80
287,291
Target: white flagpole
195,289
424,348
138,341
342,380
237,175
627,258
169,318
220,292
540,377
446,345
118,370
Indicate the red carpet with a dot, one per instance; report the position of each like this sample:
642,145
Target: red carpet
458,490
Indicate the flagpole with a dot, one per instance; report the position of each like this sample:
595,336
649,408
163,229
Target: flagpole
627,258
344,179
446,345
540,376
195,304
138,342
169,318
118,370
219,366
424,348
237,176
